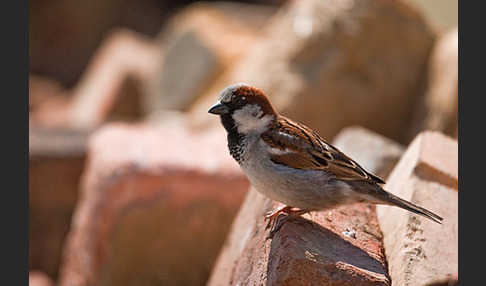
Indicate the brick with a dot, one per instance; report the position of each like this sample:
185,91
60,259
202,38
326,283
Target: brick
112,85
155,201
56,161
313,250
419,251
197,50
187,57
336,64
342,246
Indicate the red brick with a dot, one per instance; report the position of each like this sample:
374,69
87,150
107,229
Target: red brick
155,202
110,88
312,250
114,80
419,251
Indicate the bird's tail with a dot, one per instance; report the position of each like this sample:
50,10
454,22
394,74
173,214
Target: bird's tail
399,202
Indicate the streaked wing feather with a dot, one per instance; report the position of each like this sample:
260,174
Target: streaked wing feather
305,149
295,160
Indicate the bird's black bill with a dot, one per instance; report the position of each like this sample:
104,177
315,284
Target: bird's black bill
219,109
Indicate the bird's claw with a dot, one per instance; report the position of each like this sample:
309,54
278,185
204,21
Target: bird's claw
272,215
277,223
274,223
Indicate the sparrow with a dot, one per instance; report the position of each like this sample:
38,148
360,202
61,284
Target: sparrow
290,163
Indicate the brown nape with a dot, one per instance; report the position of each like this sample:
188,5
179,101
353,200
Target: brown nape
255,95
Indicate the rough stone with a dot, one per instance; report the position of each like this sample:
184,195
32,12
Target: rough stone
56,161
337,64
337,247
156,200
342,246
419,251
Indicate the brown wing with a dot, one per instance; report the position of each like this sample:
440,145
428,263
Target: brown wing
348,168
305,149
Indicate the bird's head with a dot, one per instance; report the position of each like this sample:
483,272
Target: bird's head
245,108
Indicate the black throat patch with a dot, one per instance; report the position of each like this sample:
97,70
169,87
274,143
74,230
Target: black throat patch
236,142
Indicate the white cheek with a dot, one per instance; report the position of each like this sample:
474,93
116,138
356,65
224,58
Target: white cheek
247,120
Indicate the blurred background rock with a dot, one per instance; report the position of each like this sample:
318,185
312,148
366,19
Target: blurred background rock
156,65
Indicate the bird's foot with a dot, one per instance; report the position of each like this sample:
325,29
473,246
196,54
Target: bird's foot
274,223
272,215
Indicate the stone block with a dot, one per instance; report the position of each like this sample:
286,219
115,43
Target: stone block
200,43
111,87
337,247
156,204
419,251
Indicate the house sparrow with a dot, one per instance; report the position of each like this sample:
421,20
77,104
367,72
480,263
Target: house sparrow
290,163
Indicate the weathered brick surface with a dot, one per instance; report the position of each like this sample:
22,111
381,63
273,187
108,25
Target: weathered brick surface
155,202
419,251
338,247
336,64
56,161
342,246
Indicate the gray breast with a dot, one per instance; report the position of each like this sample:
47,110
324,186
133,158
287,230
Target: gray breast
295,187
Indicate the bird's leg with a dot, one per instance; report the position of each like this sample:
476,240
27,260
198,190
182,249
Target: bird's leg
272,215
274,223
